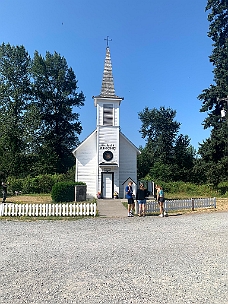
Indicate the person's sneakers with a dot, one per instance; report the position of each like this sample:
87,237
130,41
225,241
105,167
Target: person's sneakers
130,215
165,214
139,214
161,215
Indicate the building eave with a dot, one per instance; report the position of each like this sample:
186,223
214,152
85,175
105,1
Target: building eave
108,164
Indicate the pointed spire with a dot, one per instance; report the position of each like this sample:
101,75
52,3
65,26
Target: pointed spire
107,88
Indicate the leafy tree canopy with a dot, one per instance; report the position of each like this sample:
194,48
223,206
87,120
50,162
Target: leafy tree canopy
167,154
56,96
39,124
15,94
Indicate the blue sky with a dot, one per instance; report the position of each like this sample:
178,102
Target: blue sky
159,52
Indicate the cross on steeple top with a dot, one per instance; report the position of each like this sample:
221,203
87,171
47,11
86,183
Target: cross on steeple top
107,40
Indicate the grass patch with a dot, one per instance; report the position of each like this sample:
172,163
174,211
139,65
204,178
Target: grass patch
30,199
39,199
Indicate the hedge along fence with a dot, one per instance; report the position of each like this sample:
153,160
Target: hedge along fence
223,188
42,210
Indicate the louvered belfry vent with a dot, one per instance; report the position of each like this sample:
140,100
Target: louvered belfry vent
108,115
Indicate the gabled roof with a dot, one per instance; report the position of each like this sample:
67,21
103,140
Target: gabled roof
89,136
129,178
107,87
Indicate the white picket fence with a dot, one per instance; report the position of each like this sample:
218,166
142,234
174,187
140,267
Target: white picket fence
172,205
75,209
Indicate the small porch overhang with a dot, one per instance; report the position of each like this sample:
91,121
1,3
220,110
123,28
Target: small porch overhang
108,164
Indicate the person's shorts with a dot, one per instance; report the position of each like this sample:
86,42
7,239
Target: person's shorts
141,201
130,201
161,199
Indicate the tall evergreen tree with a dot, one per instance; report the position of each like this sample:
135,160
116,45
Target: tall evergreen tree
15,95
214,151
55,90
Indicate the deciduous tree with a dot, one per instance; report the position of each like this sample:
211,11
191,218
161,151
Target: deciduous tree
167,155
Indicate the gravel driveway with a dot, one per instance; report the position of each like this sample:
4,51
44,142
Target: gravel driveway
179,259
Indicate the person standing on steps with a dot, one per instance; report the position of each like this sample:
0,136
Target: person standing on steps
130,200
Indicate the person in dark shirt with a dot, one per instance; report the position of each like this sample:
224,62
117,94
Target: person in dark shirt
141,199
4,192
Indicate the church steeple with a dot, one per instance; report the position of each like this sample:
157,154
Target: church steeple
107,88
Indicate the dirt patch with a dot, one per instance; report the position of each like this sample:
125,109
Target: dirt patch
36,199
222,204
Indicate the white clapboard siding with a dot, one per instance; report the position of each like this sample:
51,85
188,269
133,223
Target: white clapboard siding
169,205
127,162
86,164
75,209
108,138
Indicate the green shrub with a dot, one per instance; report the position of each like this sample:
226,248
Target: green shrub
38,184
64,191
188,189
15,184
223,188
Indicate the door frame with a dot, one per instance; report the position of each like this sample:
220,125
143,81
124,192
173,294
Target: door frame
102,180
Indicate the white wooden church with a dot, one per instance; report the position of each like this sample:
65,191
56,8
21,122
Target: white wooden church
106,160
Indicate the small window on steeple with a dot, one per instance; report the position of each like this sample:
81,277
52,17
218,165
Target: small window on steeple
108,115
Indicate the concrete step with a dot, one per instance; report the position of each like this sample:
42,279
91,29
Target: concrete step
111,208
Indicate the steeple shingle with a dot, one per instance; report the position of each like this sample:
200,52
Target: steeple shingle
107,88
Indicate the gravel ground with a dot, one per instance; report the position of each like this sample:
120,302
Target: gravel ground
179,259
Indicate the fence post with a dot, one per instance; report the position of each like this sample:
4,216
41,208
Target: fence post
95,209
214,202
1,209
192,204
16,209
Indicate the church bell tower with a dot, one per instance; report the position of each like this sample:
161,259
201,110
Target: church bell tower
108,128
